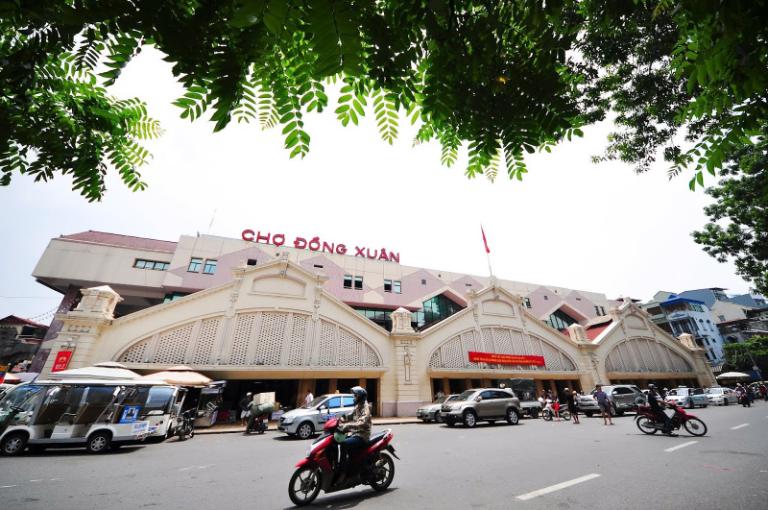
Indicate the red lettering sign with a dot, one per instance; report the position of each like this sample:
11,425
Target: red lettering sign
505,359
61,362
315,244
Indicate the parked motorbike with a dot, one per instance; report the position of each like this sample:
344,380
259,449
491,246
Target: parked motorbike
371,465
187,426
647,422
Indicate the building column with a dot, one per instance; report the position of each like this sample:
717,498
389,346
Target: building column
82,327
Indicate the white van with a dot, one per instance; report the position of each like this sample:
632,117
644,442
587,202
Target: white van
96,414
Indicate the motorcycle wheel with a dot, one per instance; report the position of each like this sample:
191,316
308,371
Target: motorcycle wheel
645,425
695,427
383,473
304,486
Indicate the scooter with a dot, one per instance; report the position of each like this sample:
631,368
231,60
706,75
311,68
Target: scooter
648,424
370,465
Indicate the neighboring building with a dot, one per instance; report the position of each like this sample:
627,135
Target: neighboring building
739,330
679,315
19,339
281,319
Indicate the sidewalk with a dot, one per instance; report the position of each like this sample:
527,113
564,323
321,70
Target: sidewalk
228,428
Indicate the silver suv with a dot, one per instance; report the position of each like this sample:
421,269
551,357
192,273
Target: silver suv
305,421
483,404
623,398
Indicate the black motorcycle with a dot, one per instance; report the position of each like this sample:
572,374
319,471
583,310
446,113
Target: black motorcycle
187,426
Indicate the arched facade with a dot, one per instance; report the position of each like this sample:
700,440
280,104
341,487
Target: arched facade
277,322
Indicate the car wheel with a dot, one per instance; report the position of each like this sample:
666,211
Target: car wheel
305,430
99,442
13,444
512,417
470,419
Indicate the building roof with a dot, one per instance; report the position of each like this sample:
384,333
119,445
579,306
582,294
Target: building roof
13,320
110,239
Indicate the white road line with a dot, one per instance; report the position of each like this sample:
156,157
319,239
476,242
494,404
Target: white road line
557,487
689,443
737,427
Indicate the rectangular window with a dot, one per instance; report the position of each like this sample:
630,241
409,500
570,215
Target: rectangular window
194,265
347,281
358,283
210,267
387,285
151,264
396,287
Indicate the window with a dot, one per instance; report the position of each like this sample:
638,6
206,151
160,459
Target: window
527,302
392,286
347,281
358,282
252,262
194,265
210,267
151,264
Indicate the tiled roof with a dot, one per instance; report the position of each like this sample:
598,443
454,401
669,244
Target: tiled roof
109,239
13,320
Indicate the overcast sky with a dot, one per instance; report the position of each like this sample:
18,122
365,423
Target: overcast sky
570,223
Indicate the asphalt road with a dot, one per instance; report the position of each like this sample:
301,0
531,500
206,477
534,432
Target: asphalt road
489,467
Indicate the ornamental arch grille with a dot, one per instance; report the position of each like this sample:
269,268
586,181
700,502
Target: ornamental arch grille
645,355
454,352
256,339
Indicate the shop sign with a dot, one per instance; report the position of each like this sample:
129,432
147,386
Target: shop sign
315,244
493,358
61,361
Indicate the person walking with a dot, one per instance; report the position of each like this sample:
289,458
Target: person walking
573,408
604,404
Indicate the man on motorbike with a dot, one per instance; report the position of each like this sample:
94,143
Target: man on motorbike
357,426
657,405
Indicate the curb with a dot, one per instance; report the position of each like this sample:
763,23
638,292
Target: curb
271,428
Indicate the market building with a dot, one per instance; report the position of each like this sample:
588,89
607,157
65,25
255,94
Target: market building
324,316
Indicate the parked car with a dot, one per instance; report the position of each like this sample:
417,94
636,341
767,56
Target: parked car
482,404
623,398
687,397
721,396
304,421
431,412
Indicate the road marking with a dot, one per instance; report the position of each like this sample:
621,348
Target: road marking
557,487
689,443
737,427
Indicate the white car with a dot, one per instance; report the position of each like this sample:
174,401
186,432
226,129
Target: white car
721,396
687,397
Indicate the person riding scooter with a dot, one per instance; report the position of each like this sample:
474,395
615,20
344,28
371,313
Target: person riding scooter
657,405
358,426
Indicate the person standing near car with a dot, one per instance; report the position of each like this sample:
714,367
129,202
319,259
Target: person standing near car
573,408
604,404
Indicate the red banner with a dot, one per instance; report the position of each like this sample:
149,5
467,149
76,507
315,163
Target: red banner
505,359
61,361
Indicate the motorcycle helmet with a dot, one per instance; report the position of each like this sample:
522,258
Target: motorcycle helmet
360,394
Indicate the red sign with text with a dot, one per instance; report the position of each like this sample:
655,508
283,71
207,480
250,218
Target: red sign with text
62,361
505,359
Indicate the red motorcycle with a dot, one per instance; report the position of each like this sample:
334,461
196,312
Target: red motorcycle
647,422
370,465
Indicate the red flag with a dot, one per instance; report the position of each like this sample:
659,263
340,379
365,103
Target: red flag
485,241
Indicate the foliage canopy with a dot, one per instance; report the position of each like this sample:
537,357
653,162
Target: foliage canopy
684,79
